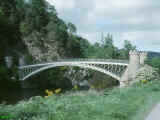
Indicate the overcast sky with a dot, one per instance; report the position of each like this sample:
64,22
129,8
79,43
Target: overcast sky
135,20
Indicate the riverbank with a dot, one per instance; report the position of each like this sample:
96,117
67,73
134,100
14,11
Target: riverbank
131,103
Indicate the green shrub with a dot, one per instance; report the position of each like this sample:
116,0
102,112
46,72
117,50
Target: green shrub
147,73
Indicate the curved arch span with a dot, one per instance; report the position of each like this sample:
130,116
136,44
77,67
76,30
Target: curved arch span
76,65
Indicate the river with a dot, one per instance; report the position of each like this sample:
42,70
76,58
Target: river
12,96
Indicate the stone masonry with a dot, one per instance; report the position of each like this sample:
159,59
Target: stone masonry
136,60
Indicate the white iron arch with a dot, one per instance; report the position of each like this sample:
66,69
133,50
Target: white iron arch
73,64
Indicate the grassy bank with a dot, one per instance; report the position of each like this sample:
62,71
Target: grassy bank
131,103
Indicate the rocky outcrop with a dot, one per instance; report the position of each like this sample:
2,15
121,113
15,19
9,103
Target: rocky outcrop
41,48
77,76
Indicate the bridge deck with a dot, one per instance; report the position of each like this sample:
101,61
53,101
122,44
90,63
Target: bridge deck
82,61
95,60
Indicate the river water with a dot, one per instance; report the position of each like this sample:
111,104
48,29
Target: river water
16,94
12,96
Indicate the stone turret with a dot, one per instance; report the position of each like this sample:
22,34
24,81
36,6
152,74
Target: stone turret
134,63
143,56
136,59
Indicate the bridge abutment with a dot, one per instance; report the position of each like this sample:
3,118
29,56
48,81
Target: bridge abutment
136,59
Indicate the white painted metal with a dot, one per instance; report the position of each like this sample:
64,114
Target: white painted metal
73,64
83,63
80,62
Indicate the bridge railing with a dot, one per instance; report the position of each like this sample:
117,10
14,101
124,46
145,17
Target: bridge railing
94,60
81,59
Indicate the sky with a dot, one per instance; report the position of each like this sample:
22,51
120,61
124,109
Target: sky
135,20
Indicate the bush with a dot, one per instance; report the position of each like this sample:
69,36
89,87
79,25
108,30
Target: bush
154,62
147,73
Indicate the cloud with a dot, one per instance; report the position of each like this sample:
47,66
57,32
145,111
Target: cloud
137,21
62,5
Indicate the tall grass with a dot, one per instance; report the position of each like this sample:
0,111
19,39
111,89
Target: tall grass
130,103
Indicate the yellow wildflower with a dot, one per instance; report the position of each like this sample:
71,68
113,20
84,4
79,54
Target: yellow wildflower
45,96
144,81
75,87
46,91
58,90
50,93
92,86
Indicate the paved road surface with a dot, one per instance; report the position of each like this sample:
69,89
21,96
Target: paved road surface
155,114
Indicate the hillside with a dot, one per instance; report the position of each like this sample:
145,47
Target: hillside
153,54
32,31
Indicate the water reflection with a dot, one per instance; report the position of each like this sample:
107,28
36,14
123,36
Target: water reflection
12,96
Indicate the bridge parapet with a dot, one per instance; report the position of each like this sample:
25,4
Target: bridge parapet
95,60
82,60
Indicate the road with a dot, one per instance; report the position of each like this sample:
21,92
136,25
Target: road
155,114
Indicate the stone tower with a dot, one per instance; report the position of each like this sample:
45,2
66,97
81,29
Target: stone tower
143,56
134,63
135,60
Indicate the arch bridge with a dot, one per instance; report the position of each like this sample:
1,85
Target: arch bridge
121,70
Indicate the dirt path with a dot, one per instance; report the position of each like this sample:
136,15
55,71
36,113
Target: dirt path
155,113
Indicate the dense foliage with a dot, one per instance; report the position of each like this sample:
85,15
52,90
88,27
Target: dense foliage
34,21
154,62
21,19
147,73
107,50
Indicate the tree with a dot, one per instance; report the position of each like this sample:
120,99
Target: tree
154,62
105,49
107,41
36,14
128,47
9,34
122,54
71,28
108,46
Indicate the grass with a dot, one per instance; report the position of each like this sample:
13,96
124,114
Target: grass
130,103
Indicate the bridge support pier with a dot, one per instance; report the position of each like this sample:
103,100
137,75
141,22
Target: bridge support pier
136,59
